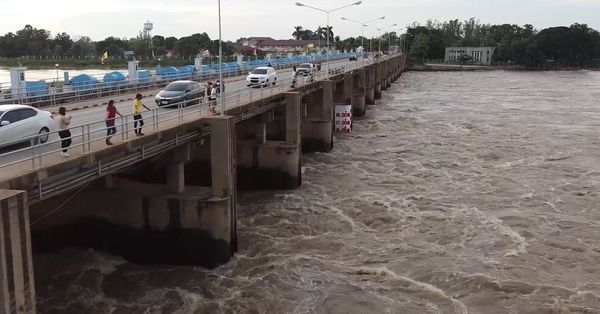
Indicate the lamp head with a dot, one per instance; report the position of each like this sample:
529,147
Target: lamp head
343,18
357,2
299,4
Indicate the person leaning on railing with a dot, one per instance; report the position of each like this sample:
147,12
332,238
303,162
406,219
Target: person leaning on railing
111,113
63,121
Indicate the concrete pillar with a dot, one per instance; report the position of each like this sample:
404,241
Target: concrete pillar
176,169
293,118
378,76
176,177
17,294
317,126
370,87
358,94
223,172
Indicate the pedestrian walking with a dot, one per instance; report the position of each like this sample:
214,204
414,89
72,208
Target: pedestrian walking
111,113
63,121
212,98
138,121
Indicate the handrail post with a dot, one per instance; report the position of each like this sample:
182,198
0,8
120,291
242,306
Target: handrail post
32,143
89,143
83,139
126,128
122,129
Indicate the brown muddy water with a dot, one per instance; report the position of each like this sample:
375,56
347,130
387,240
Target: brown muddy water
459,193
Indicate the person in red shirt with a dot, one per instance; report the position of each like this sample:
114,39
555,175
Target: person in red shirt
111,113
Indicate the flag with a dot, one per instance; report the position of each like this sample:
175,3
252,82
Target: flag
254,53
104,57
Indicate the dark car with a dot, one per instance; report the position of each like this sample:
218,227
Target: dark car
352,58
176,92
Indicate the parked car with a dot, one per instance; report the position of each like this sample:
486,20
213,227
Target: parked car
352,58
179,91
20,122
261,76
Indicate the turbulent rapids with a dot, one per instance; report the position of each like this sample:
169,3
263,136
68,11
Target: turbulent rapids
458,193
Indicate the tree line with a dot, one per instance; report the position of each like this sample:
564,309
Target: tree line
577,45
31,41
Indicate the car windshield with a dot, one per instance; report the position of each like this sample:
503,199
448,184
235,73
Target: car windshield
259,71
176,87
306,66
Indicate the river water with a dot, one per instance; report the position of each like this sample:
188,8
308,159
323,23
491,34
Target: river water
459,193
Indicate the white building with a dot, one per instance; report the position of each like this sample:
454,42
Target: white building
480,55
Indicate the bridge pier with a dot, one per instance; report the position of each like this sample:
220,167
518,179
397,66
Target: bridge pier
387,79
17,294
149,221
378,79
370,87
317,122
358,94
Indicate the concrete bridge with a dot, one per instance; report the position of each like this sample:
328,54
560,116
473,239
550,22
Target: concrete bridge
170,196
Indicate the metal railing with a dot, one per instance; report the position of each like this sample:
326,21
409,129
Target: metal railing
64,94
85,136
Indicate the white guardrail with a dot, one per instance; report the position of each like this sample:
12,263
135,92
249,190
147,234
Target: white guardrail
85,136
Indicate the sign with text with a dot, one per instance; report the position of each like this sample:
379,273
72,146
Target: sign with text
343,119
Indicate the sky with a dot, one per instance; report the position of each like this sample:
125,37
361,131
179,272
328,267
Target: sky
277,18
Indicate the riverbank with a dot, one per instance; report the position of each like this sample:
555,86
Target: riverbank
440,67
458,68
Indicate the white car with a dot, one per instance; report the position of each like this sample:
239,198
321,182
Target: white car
20,122
261,76
306,69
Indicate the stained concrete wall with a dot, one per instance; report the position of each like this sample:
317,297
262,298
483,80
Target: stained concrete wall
17,293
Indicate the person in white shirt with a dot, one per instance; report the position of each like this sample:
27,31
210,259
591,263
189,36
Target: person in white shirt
63,121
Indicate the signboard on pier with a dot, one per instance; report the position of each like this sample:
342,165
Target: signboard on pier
343,118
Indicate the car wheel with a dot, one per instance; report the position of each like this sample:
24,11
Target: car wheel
43,138
267,83
275,82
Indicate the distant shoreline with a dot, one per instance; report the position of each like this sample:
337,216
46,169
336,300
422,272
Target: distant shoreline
465,68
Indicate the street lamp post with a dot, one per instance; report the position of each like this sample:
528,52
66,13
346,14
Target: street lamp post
221,84
327,12
390,35
363,25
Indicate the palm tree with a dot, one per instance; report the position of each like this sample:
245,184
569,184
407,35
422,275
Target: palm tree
298,31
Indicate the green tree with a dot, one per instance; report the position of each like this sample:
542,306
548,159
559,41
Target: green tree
420,48
297,32
170,42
